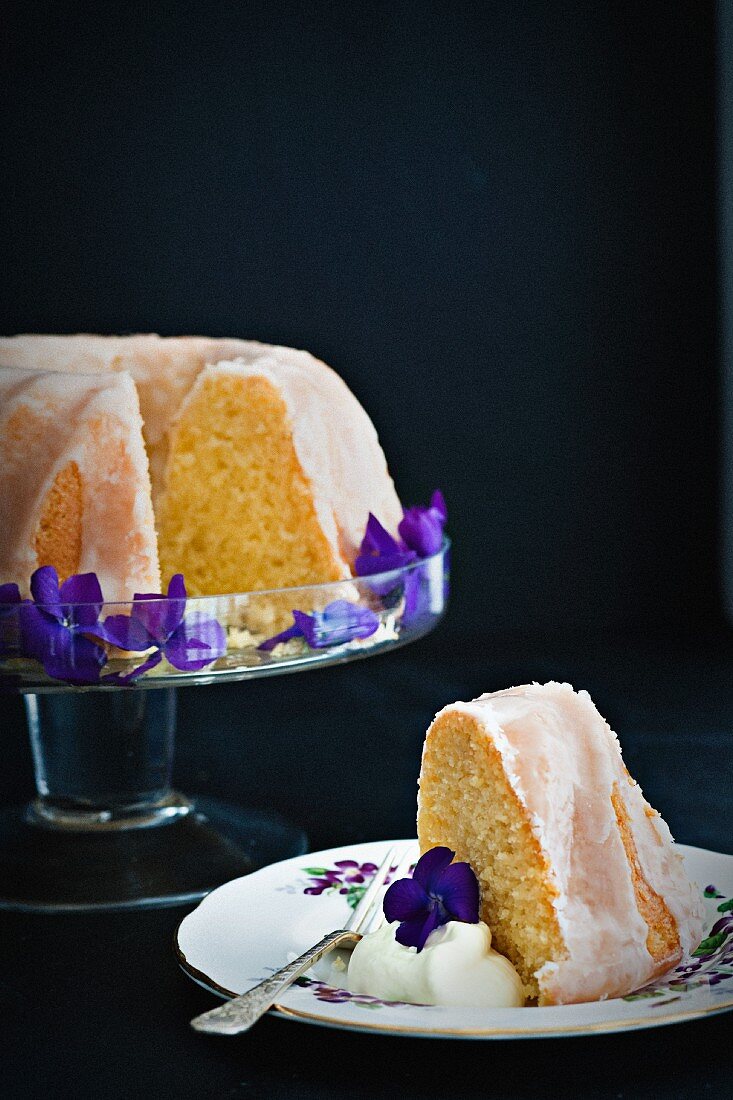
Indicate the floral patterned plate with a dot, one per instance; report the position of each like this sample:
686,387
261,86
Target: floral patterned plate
249,927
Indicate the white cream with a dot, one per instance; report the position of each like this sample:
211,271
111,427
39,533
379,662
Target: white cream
457,966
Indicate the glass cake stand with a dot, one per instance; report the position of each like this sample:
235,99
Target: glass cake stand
106,829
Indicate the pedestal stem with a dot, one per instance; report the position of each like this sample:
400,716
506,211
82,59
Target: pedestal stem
103,760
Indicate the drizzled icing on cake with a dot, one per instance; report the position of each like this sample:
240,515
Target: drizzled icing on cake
345,465
50,423
564,764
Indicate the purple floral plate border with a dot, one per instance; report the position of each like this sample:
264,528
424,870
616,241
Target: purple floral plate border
242,930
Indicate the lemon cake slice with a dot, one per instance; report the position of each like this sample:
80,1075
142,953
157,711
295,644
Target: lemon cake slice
581,883
74,482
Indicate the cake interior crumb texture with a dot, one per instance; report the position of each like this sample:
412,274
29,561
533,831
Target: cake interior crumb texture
58,537
237,512
468,804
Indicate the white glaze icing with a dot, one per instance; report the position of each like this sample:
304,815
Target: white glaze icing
48,420
562,760
163,368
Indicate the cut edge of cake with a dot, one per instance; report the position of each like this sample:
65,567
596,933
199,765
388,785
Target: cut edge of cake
312,469
75,499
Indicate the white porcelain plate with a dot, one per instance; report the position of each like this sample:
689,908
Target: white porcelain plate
251,926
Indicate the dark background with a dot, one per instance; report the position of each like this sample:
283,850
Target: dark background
498,222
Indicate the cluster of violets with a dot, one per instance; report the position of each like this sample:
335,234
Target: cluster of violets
436,891
421,536
60,627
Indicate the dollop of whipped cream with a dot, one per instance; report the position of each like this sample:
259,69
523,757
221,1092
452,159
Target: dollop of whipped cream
457,966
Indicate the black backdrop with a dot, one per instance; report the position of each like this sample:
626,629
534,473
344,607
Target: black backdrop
496,220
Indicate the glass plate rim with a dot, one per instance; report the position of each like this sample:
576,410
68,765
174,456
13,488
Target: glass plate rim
320,587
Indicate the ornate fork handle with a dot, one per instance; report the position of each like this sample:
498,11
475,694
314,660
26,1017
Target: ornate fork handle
241,1012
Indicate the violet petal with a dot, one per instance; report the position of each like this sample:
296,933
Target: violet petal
377,539
307,628
422,531
45,590
458,890
417,597
34,627
195,643
338,623
161,614
437,504
429,866
405,900
82,589
284,636
125,632
64,655
415,933
349,620
366,565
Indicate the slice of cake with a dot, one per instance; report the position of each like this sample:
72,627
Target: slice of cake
74,483
581,884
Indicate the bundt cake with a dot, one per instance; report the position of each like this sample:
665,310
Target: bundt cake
263,465
581,884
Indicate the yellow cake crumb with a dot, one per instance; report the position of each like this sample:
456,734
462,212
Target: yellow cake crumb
467,803
237,511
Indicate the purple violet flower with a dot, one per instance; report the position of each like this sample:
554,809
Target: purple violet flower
157,622
422,528
380,552
54,625
439,891
339,622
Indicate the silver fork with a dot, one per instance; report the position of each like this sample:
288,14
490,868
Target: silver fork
242,1012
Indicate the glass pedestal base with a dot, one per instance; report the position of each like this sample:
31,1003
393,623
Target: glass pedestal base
176,861
106,830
